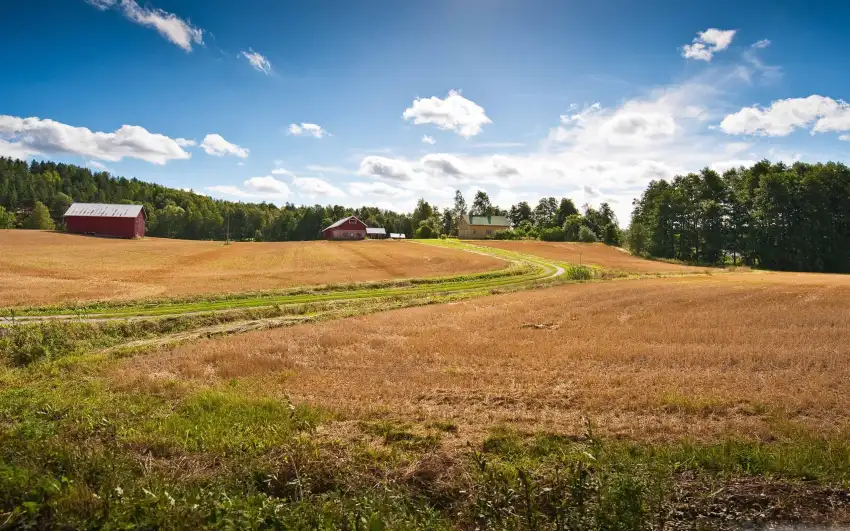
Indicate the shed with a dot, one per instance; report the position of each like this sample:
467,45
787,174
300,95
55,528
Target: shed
375,233
349,228
118,221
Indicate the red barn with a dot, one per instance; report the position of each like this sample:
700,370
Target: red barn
349,228
119,221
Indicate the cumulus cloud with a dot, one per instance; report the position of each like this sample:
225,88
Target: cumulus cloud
260,63
215,144
265,188
30,136
173,28
314,187
267,185
385,168
307,129
428,140
707,43
377,188
454,113
338,170
782,117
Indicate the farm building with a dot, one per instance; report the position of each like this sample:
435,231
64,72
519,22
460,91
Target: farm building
349,228
375,233
479,227
119,221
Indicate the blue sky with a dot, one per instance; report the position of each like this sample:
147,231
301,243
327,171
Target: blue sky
383,102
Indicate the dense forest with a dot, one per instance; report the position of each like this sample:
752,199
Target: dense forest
35,195
773,216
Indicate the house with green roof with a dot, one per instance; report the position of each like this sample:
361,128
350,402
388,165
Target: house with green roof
471,227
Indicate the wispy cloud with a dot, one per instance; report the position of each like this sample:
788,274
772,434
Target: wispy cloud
260,63
175,29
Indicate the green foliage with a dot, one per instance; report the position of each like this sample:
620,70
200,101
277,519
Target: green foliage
171,212
39,218
553,234
7,219
506,235
481,205
769,215
586,235
572,226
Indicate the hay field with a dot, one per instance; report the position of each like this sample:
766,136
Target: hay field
38,268
752,355
589,254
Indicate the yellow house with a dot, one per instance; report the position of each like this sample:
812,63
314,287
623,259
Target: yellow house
471,227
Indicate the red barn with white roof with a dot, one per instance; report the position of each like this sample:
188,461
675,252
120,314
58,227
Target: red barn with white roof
349,228
119,221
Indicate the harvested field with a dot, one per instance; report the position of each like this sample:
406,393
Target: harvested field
590,254
38,268
657,359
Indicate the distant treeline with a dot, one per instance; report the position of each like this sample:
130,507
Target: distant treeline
774,216
171,213
35,195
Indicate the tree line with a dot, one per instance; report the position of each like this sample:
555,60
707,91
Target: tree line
773,216
37,194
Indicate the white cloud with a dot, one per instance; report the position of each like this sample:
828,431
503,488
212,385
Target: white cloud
307,129
428,140
782,117
846,138
96,165
260,63
29,136
764,43
377,188
266,186
182,142
454,113
314,187
707,43
215,144
173,28
385,168
337,170
228,190
496,145
281,171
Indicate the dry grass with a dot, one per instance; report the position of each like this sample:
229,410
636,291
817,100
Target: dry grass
703,357
590,254
38,268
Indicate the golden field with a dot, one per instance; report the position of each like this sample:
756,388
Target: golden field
750,354
590,254
38,268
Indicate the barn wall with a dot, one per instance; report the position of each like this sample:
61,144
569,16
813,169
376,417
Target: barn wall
117,227
345,234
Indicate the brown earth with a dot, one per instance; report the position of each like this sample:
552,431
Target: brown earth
38,268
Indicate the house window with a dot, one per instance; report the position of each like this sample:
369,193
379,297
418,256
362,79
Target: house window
489,232
352,221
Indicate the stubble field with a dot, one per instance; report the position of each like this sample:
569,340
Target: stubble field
38,268
655,359
685,399
591,253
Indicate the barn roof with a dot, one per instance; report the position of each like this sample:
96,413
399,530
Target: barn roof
340,222
103,210
500,221
370,230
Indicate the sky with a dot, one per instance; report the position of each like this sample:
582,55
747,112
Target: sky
383,102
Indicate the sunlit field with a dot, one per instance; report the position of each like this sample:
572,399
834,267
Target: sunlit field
45,268
654,359
590,254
